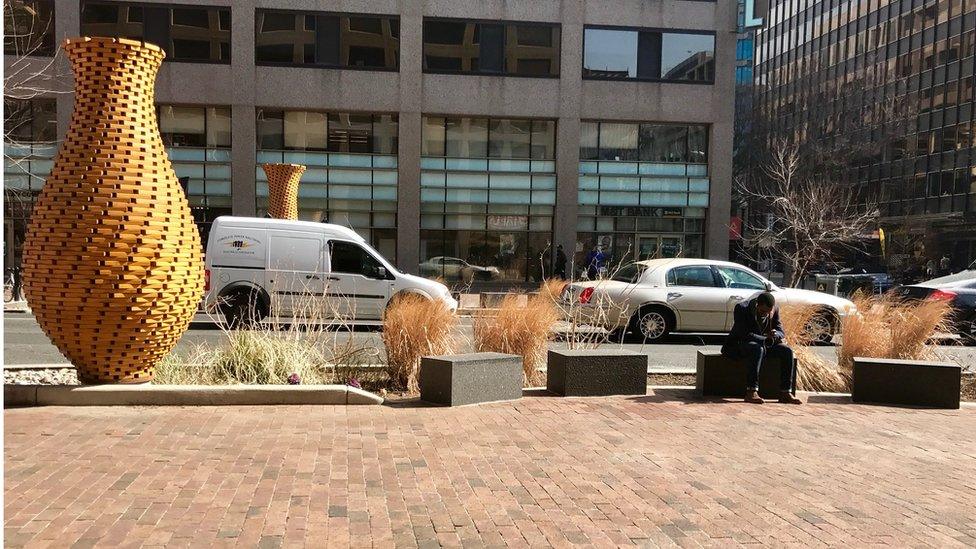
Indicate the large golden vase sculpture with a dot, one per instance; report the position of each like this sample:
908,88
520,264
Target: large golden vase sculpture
283,182
112,264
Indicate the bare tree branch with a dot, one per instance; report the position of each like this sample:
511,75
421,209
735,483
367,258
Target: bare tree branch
809,220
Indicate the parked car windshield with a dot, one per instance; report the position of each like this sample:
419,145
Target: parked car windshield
740,279
629,274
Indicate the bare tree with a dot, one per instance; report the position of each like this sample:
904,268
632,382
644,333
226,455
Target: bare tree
33,73
809,220
32,68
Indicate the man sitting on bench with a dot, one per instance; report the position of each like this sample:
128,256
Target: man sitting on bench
757,334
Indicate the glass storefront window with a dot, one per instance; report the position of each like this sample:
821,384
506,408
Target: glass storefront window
186,33
327,39
614,53
30,143
642,190
618,141
487,199
198,140
510,138
351,175
466,137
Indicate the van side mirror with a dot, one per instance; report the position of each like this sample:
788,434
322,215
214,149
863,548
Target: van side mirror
768,285
381,272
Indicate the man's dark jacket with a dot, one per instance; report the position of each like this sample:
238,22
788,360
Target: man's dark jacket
746,327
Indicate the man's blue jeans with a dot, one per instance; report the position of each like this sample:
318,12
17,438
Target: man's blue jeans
755,353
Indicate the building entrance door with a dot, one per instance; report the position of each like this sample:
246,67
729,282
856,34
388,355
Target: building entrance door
658,246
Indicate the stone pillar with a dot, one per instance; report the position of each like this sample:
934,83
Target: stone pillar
411,122
568,133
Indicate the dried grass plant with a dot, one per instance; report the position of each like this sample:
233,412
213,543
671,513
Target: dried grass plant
813,372
315,343
414,327
518,328
888,327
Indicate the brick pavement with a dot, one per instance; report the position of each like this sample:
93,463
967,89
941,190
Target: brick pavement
656,470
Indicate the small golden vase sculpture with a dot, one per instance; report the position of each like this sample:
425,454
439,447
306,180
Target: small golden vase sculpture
112,264
283,189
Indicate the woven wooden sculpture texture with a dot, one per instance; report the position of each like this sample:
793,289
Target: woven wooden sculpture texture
112,265
283,189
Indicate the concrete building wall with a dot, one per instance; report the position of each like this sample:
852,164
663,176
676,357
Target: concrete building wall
411,93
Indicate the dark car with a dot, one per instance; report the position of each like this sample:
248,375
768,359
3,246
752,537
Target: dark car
960,290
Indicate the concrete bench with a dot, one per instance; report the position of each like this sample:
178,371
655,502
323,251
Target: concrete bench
720,376
906,382
456,380
596,372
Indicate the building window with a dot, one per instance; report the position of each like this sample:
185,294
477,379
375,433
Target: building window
643,190
186,33
351,176
611,53
197,139
28,28
489,47
327,40
488,189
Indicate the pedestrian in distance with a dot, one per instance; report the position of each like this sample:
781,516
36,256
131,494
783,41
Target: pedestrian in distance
757,335
560,262
595,262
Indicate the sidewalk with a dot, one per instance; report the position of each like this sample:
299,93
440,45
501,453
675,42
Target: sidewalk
661,470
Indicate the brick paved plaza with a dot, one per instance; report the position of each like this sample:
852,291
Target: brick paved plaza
656,470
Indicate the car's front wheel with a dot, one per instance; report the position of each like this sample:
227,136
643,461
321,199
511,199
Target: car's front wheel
652,324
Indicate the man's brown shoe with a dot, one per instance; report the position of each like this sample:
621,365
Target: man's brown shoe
752,397
785,397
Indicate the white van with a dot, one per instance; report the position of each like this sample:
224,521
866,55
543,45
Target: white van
258,268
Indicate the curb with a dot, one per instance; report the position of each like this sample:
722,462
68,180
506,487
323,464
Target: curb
185,395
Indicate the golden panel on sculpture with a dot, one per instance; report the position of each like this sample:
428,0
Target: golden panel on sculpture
283,182
113,265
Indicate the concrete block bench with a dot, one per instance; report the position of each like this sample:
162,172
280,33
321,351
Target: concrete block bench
596,372
720,376
456,380
906,382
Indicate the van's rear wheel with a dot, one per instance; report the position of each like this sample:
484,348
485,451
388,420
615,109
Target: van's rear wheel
242,310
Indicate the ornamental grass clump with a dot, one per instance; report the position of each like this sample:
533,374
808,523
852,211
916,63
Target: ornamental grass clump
249,357
813,372
520,328
888,327
414,327
313,348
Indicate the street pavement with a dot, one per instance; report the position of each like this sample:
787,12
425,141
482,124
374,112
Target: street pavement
660,470
25,343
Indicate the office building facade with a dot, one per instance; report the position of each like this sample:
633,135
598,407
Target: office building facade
446,133
891,80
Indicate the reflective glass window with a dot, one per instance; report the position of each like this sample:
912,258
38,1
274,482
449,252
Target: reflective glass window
616,53
528,49
327,40
186,33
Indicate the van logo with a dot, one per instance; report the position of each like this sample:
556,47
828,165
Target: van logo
238,244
